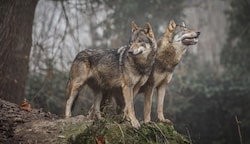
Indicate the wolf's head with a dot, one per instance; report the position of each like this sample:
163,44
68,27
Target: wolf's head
180,35
142,40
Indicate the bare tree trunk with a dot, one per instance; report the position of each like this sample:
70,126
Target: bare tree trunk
16,20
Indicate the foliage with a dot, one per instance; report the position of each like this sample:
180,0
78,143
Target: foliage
47,90
140,11
113,129
112,132
235,54
206,105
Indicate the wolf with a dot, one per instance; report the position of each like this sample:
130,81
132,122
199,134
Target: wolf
170,49
127,67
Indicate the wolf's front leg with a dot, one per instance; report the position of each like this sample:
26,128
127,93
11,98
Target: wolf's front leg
129,106
136,89
148,103
160,103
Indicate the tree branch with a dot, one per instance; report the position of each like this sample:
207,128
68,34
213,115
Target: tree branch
239,131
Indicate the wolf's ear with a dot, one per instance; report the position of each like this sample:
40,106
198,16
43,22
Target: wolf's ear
170,30
148,30
171,25
134,26
183,24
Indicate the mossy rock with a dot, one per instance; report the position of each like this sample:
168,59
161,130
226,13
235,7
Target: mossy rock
114,133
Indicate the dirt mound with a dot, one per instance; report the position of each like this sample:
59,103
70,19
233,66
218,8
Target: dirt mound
11,115
111,132
18,126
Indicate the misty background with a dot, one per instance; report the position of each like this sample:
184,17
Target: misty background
210,87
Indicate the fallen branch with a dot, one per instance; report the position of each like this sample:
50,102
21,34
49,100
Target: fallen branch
239,131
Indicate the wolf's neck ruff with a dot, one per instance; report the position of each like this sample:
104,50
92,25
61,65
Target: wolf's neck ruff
167,56
121,52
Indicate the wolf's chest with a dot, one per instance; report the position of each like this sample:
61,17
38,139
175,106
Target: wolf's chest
161,78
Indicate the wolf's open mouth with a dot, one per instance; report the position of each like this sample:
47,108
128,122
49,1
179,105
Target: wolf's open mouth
134,53
190,40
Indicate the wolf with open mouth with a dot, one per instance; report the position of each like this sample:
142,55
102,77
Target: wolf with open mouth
170,49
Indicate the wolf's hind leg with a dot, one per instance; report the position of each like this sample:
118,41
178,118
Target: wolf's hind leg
73,88
95,108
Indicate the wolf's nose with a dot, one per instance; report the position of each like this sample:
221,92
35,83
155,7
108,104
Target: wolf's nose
198,33
130,51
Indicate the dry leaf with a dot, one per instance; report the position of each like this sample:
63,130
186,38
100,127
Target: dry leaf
25,105
100,140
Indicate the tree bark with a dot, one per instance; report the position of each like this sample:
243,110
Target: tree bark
16,21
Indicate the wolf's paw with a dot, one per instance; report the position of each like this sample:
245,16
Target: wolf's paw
95,115
148,122
99,117
67,116
91,116
167,121
135,124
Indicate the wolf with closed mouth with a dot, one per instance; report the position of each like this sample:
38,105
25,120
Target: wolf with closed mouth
127,68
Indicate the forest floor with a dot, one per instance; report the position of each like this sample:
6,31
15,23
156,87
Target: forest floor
23,125
18,126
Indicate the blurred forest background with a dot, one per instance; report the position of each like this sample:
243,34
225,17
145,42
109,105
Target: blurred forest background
210,88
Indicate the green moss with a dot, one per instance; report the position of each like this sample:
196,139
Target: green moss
115,133
72,130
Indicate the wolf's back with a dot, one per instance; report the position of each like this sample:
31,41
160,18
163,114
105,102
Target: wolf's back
101,65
